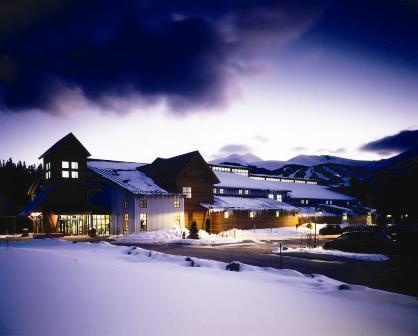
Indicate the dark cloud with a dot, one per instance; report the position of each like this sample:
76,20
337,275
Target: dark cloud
397,143
184,53
180,51
234,149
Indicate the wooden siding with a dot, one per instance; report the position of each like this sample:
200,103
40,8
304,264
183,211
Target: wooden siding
196,176
242,220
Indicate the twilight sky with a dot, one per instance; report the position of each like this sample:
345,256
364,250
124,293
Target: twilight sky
137,79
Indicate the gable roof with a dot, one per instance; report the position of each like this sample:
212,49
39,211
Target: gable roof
168,169
127,176
69,138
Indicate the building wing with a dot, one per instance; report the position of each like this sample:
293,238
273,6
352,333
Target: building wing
127,176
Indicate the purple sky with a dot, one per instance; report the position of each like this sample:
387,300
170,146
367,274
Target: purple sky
136,80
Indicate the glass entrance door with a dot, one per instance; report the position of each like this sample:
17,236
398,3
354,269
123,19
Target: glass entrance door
71,225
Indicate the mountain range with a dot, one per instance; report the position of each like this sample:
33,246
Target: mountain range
331,170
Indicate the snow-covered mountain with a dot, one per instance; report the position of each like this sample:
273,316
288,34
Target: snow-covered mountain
241,159
313,160
332,170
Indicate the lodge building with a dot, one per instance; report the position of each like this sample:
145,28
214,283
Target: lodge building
77,195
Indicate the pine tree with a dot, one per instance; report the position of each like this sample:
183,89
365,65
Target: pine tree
194,231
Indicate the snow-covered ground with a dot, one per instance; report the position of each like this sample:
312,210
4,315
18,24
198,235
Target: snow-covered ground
173,235
56,287
336,253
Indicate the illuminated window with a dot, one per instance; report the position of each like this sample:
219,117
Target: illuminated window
187,191
125,204
302,201
74,174
246,191
74,165
65,164
221,191
226,214
277,213
330,202
48,170
240,191
279,197
271,196
345,217
176,203
214,190
101,223
307,201
126,222
252,214
143,203
326,202
143,222
65,174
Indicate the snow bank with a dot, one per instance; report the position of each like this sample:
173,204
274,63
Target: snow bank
336,253
174,236
55,287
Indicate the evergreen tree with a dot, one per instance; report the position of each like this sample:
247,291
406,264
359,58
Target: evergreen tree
194,231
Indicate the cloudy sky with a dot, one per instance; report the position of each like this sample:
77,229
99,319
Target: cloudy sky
137,79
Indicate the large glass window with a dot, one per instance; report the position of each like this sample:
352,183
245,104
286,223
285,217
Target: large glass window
187,191
143,203
102,224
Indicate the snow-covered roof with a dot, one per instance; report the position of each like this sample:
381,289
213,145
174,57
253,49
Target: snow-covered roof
297,190
126,175
312,211
338,209
245,203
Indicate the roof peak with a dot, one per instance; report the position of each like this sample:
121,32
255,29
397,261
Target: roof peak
69,137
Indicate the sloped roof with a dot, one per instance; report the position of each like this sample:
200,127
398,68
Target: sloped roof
70,137
127,176
297,190
36,202
168,169
222,203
